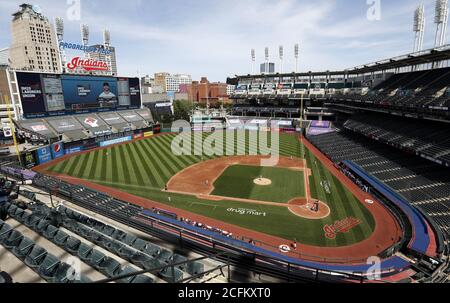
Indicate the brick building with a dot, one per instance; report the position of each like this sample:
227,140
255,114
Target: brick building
204,91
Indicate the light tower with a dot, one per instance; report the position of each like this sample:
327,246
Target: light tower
267,58
441,20
85,37
296,52
253,54
106,45
59,30
419,28
281,51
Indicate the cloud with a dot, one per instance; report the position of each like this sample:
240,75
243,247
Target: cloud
213,38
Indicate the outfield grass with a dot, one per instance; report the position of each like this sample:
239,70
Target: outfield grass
144,167
237,181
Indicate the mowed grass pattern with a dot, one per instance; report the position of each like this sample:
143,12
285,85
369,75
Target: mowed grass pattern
144,167
238,182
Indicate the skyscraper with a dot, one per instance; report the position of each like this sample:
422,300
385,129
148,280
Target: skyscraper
34,45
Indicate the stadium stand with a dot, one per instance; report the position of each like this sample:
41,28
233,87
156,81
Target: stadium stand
80,127
426,185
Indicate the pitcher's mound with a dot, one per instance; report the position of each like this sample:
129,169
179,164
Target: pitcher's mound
262,182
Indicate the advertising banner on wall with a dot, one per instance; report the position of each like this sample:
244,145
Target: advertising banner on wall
44,155
116,141
57,150
29,159
30,89
73,150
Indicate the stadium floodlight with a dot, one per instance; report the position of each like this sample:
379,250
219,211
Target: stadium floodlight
59,25
59,30
281,51
441,20
106,37
253,54
297,53
419,28
85,34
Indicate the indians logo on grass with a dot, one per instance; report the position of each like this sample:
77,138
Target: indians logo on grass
343,226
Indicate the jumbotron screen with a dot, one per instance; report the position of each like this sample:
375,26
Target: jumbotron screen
45,95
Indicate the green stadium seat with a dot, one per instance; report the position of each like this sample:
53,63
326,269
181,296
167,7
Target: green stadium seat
96,258
72,245
36,256
24,248
13,240
60,238
48,267
171,275
41,227
5,231
139,244
84,252
152,250
142,279
50,232
176,258
110,267
195,268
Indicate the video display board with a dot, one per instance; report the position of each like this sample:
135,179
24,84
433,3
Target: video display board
45,95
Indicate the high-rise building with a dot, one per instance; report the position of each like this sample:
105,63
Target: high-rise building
4,57
34,45
267,68
110,59
171,83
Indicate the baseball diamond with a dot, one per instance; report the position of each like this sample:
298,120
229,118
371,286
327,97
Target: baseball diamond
143,168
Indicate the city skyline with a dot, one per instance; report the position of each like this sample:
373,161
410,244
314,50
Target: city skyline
214,39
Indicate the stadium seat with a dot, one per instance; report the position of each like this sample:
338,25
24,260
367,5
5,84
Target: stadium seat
139,244
62,273
18,214
96,258
108,230
24,248
195,268
24,217
50,232
12,210
140,259
110,267
41,226
118,234
36,256
48,267
84,252
152,250
126,252
171,274
13,240
32,221
128,239
142,279
5,231
60,238
125,271
176,258
114,246
72,245
165,256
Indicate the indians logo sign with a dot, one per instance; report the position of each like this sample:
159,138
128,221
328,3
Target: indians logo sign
343,226
92,122
88,64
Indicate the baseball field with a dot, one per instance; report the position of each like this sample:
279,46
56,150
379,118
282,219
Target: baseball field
296,200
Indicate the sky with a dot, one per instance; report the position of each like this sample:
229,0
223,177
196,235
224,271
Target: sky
214,38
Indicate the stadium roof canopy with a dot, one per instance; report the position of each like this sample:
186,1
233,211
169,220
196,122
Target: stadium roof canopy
424,57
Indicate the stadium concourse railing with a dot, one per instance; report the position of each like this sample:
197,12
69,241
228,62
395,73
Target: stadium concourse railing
244,255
